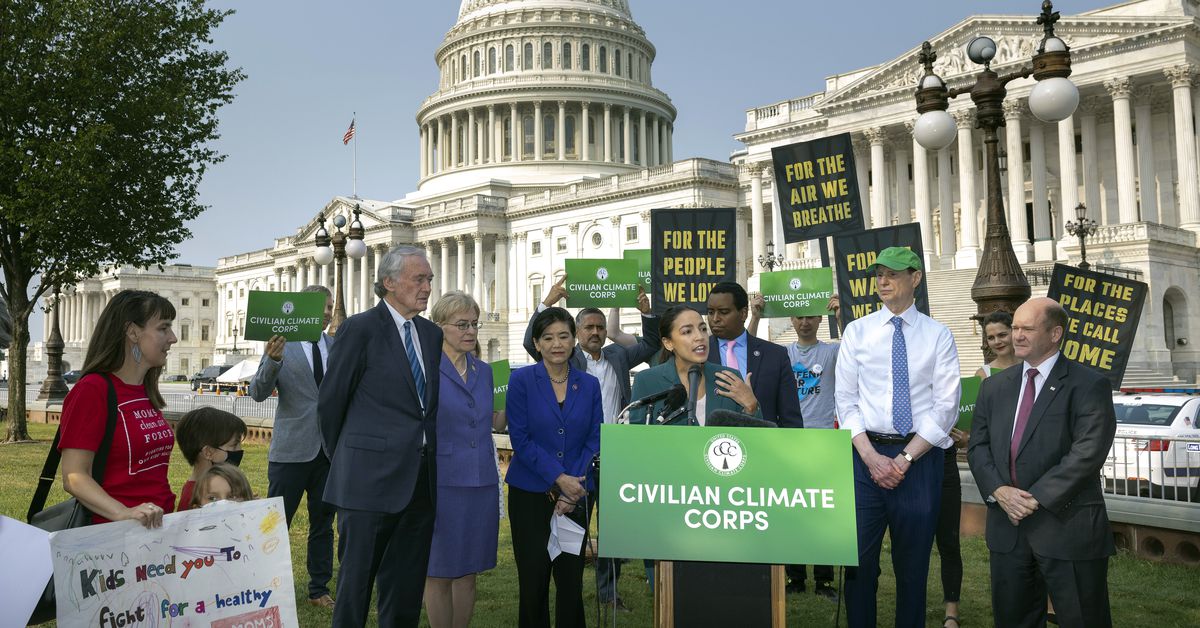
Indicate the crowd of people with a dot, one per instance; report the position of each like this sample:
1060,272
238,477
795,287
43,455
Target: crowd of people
387,430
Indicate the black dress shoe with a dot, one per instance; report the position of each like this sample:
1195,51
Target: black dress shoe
795,586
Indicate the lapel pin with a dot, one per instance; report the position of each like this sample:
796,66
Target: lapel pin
1052,389
574,386
757,353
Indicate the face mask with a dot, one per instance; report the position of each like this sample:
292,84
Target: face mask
234,457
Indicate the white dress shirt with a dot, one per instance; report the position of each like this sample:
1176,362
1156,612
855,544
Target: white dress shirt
1039,380
307,345
610,390
864,376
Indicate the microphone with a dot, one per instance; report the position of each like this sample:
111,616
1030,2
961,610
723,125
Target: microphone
694,374
677,389
675,404
731,418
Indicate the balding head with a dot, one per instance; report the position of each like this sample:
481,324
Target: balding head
1037,330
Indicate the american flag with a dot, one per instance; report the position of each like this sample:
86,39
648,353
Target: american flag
349,134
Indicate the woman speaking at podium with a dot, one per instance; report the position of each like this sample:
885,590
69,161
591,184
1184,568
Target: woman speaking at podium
685,345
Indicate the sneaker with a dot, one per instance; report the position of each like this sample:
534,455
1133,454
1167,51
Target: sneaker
826,590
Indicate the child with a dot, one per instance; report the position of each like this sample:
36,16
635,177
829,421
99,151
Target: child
207,436
220,482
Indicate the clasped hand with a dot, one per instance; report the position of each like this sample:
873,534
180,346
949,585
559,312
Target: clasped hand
1017,503
886,472
571,490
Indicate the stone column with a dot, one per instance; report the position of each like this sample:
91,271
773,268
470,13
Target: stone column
515,141
477,284
627,135
325,275
946,209
1091,163
1041,208
1018,228
862,160
921,191
617,239
470,157
1147,177
521,277
441,144
294,279
656,143
454,140
492,143
903,210
1181,77
879,217
424,132
364,282
757,246
1068,182
460,281
503,276
539,142
608,133
1120,88
671,142
643,151
585,152
446,284
348,289
481,142
433,251
968,252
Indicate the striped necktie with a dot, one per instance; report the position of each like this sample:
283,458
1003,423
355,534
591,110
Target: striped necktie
414,362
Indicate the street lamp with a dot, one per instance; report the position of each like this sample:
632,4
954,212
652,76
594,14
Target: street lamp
235,335
770,260
1082,227
54,387
337,247
999,284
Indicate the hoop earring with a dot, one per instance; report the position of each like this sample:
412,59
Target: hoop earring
137,354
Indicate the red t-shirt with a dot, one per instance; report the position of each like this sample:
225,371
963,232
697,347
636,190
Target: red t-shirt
185,496
136,471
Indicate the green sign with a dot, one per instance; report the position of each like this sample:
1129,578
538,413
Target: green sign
802,292
293,315
750,495
966,404
645,265
602,283
500,372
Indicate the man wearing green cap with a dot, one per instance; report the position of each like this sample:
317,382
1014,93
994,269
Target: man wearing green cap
897,392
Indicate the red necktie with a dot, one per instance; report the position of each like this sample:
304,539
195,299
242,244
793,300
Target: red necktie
1023,413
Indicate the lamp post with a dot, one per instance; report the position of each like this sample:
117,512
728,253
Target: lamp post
770,261
338,247
54,387
234,350
1000,284
1082,227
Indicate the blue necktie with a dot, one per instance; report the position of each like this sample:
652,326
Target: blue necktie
902,419
414,362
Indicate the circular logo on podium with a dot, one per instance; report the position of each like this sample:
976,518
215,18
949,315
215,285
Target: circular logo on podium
724,454
602,273
288,307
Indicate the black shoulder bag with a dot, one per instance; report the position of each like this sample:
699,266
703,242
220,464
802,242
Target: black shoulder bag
71,513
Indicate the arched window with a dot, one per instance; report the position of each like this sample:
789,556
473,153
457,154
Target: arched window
547,56
506,148
629,64
464,69
633,140
566,62
617,62
508,58
585,58
491,60
569,135
527,137
527,58
454,69
549,146
478,65
603,60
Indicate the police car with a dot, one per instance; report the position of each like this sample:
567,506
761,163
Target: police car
1156,451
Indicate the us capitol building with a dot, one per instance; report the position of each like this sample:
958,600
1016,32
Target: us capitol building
546,139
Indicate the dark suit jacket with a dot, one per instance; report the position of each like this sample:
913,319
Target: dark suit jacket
771,379
621,358
371,417
1066,441
548,441
665,376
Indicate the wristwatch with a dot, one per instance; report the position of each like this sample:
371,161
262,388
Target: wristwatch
907,456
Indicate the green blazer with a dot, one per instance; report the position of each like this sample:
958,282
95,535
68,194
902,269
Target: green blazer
664,376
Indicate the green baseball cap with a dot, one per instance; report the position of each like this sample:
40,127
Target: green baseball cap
897,258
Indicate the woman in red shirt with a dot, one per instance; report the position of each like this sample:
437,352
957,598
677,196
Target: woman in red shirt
129,345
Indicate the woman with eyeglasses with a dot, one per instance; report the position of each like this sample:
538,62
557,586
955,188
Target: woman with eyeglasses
468,508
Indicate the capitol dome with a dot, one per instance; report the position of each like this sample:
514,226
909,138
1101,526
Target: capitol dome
542,92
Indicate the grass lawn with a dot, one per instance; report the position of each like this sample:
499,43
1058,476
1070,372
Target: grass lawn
1143,593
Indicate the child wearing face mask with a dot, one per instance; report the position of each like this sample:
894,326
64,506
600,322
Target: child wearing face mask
221,482
208,436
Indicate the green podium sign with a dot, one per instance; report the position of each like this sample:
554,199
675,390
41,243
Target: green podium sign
744,495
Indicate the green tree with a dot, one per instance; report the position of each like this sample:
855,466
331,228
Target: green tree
107,115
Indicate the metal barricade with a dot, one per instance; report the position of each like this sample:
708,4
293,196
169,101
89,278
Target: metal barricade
1166,468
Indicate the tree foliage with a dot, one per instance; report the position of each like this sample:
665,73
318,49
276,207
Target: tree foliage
107,117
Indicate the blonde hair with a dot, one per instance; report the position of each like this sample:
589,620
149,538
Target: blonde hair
450,304
239,485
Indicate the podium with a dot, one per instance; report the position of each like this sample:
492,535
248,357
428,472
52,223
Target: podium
690,593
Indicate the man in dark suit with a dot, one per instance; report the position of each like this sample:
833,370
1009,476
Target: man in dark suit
764,364
1040,434
377,408
610,365
295,463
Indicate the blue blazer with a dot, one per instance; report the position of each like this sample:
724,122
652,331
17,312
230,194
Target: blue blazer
464,426
664,376
547,440
771,379
371,418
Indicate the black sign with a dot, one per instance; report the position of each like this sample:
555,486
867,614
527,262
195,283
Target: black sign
853,255
1104,311
691,251
817,188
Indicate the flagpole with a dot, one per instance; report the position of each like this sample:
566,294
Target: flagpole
354,184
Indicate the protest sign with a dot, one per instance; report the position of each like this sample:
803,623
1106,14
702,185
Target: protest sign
966,402
1104,311
642,257
293,315
817,186
225,565
853,255
801,292
602,282
500,373
692,250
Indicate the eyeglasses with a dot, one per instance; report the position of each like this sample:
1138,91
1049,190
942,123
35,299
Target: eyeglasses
464,325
